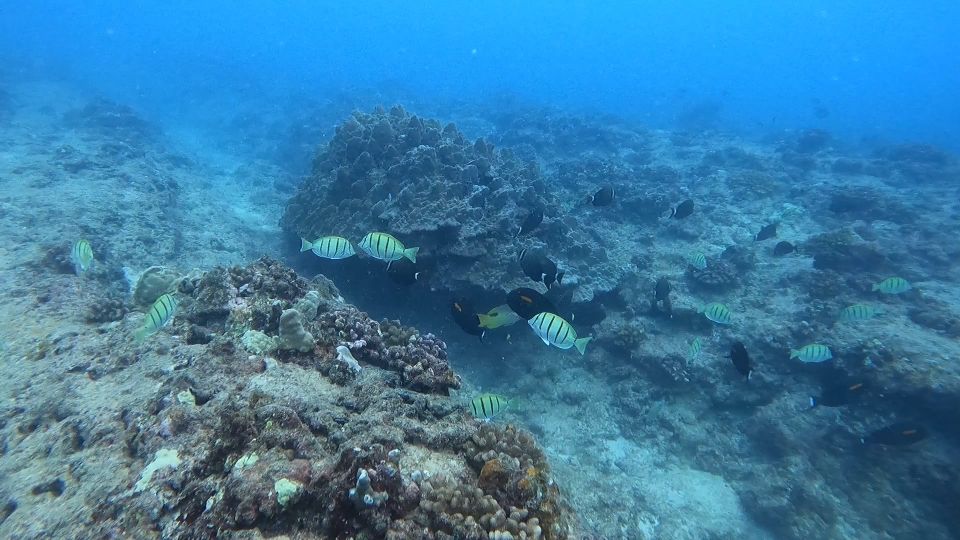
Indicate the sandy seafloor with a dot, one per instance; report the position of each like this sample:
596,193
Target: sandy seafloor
637,459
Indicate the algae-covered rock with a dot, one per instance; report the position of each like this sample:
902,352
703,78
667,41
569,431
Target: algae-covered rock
257,342
307,306
152,283
293,336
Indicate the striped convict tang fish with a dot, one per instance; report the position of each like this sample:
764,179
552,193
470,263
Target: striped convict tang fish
385,247
81,255
815,352
716,312
159,315
553,330
893,285
858,312
329,247
486,406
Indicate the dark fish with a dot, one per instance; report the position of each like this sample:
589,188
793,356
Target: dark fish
527,303
783,248
603,197
740,359
403,272
539,267
837,395
682,210
531,222
768,231
661,296
899,434
466,317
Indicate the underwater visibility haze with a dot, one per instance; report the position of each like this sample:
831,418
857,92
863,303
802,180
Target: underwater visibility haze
487,270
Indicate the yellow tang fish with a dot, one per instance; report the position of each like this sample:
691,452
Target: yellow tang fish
497,317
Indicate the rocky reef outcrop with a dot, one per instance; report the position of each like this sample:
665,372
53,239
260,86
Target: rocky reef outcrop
245,433
462,202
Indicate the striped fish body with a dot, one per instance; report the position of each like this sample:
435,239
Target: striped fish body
697,260
893,285
81,255
329,247
716,312
858,312
159,315
486,406
695,348
553,330
385,247
813,353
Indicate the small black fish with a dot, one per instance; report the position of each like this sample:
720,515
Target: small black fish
403,271
531,222
466,317
783,248
837,395
661,296
603,197
899,434
741,360
768,231
539,267
682,210
527,303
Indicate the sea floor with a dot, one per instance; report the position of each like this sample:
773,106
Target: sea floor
637,457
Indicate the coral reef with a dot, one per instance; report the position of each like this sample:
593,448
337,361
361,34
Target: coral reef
235,442
152,283
293,336
462,201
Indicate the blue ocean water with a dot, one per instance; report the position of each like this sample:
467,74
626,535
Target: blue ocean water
886,70
747,211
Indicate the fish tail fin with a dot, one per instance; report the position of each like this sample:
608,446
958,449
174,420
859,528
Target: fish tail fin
416,276
876,287
484,320
411,253
77,268
581,344
794,353
305,245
